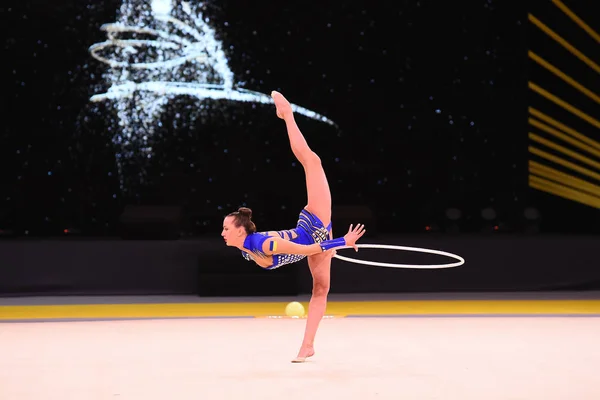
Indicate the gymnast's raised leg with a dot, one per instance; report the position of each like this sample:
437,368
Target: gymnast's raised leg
319,203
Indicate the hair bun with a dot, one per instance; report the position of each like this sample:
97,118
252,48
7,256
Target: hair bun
245,211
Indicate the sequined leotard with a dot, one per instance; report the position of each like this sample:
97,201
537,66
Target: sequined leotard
310,229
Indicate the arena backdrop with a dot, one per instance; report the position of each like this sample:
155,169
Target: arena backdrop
418,109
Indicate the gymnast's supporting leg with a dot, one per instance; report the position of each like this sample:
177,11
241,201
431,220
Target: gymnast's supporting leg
320,268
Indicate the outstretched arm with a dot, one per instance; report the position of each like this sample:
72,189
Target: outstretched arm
277,245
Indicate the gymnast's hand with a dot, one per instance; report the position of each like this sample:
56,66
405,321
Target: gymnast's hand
353,235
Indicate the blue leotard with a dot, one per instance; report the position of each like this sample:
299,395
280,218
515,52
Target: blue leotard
309,230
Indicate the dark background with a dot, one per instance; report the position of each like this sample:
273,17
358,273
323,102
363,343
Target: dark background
430,98
379,71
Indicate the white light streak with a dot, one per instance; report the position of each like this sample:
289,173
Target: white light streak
155,51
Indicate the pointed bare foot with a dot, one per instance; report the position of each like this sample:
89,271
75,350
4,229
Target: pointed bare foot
303,354
283,106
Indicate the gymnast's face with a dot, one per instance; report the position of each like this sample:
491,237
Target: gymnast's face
231,234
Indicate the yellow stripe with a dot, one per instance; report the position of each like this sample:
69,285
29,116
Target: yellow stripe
564,128
564,77
564,163
562,191
565,191
546,189
265,309
566,179
564,104
139,310
466,307
564,43
577,20
559,190
564,150
564,137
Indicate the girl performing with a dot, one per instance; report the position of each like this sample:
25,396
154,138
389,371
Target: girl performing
312,237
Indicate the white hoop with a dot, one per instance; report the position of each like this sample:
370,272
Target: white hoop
460,261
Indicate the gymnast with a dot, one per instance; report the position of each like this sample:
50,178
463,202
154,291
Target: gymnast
312,237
